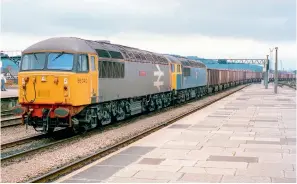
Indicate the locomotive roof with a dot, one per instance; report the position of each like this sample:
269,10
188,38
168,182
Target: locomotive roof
73,44
61,43
78,45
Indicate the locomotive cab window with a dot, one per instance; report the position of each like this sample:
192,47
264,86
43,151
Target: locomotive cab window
172,68
178,68
35,61
93,67
82,63
102,53
187,72
60,61
116,55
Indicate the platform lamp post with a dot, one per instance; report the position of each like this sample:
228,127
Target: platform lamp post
266,73
270,60
275,72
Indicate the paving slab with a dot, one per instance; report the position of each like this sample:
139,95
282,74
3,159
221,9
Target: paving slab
246,179
248,137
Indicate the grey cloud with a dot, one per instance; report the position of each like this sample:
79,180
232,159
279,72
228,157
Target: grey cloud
269,20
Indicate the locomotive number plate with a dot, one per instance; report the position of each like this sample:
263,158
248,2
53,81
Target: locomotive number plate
43,93
82,80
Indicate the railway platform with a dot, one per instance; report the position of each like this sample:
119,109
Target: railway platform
9,99
249,136
10,93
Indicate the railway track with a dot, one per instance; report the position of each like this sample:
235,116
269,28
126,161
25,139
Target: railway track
55,174
10,121
290,84
33,150
58,137
21,141
6,113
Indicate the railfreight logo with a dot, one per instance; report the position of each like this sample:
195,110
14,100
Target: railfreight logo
158,73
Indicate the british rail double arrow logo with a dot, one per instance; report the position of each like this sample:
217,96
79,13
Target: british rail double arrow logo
158,73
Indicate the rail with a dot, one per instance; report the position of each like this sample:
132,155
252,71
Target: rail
31,151
21,141
11,121
288,84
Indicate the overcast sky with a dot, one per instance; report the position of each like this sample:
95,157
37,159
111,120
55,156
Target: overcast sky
204,28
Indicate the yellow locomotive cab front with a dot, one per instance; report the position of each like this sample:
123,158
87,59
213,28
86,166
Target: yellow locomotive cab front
44,78
45,87
54,85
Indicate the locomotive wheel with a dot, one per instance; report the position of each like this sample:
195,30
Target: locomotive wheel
121,114
159,102
92,118
106,118
187,95
152,104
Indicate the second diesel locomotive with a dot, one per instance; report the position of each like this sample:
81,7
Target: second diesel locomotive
80,84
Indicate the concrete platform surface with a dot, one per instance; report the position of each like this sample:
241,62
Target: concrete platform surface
247,137
9,93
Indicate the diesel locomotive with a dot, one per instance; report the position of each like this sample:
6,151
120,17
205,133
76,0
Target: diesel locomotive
81,84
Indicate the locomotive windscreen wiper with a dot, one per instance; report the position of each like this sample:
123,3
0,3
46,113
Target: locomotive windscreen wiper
58,56
35,57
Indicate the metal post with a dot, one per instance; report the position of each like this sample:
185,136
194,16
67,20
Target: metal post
266,73
270,57
275,72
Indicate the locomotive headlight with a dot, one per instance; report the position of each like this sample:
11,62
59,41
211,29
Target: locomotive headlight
65,81
26,79
66,92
